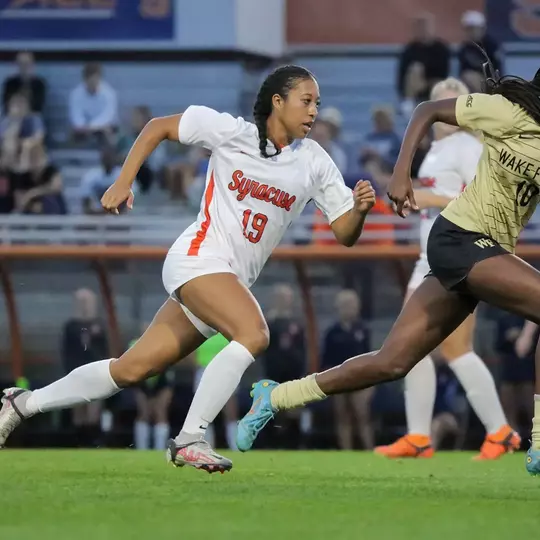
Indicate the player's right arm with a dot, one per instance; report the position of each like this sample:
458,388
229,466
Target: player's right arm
197,125
156,131
400,190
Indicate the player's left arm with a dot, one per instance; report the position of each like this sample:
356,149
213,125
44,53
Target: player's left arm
347,228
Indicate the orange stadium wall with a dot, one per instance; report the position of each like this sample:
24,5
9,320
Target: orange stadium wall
370,22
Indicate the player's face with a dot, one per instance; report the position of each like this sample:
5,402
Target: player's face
299,110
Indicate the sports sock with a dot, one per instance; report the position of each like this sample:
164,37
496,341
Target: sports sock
85,384
142,435
420,391
161,435
296,393
218,383
536,424
481,391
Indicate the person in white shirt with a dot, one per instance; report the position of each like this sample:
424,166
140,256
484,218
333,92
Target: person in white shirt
93,106
260,177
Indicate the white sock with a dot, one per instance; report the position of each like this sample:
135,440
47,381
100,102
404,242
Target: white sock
142,435
161,436
420,391
85,384
479,386
230,432
210,435
218,383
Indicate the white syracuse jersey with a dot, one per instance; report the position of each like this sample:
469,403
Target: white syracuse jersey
249,201
449,166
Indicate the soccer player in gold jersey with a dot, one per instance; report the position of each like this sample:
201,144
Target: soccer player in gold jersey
470,250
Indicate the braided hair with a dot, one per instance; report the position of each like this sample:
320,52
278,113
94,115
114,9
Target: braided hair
280,81
524,93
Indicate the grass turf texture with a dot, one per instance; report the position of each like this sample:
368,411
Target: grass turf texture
132,495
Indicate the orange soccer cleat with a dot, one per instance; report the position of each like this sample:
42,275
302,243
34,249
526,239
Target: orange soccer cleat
505,441
409,446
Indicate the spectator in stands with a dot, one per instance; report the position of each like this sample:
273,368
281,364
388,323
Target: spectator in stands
383,141
326,132
515,344
148,172
285,358
349,337
470,58
153,397
7,199
423,62
93,107
21,130
25,82
185,178
98,179
38,190
84,340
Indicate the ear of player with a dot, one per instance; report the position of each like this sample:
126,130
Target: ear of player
364,196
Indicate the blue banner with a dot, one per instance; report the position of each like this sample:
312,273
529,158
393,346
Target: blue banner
86,20
514,20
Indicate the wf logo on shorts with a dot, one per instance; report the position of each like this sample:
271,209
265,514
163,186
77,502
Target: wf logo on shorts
485,243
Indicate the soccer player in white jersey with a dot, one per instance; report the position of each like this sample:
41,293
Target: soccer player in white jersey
260,177
447,169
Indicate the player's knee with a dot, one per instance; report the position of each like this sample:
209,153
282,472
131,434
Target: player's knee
127,374
255,340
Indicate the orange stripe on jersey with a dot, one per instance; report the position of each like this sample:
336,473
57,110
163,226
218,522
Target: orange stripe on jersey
201,233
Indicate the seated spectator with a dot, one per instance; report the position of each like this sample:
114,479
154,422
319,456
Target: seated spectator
93,107
349,337
424,61
26,83
38,190
20,131
97,180
7,199
382,141
153,166
470,58
326,132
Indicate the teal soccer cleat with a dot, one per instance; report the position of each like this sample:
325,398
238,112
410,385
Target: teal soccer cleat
259,415
533,462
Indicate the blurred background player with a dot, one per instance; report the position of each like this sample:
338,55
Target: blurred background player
449,166
153,398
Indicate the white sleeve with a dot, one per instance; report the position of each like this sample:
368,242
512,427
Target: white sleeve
468,159
76,116
332,196
206,127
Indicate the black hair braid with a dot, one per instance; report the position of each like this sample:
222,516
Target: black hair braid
524,93
280,81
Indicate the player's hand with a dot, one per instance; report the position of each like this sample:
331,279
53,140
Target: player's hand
401,193
115,196
364,196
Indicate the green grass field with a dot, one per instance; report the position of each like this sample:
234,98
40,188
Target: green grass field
119,495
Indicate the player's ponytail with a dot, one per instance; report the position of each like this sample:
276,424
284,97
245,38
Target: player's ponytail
524,93
280,81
